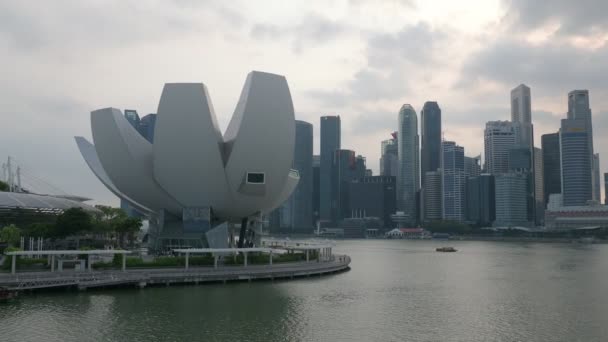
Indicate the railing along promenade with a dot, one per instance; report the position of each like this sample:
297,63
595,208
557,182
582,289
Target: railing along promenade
142,277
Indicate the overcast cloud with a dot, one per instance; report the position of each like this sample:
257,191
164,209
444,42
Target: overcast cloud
359,59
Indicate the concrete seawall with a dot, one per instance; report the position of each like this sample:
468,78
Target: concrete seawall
166,276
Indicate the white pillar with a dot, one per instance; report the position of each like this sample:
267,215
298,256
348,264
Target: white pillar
187,259
124,262
307,255
215,261
245,261
13,264
52,263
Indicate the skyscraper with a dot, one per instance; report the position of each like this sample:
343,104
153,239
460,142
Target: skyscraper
499,137
472,166
521,115
373,197
579,109
521,163
430,153
408,178
596,178
432,196
346,167
330,142
316,173
147,124
133,118
296,213
453,182
481,200
301,199
389,159
511,204
606,188
552,174
539,189
576,169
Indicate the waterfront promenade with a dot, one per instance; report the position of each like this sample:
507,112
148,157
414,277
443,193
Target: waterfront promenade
142,277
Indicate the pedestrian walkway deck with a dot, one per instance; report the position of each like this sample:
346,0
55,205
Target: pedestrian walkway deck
166,276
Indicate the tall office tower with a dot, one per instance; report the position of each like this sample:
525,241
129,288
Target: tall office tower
432,198
295,214
579,109
408,178
511,204
316,166
552,174
576,170
389,159
430,153
521,162
373,197
360,167
301,199
472,166
606,188
346,167
521,114
539,189
147,124
453,182
499,137
133,118
481,200
330,142
596,178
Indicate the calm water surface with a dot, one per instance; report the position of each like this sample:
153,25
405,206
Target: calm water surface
395,291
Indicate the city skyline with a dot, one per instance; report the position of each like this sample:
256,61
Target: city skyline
348,58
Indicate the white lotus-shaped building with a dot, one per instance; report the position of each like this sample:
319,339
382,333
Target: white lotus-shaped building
192,182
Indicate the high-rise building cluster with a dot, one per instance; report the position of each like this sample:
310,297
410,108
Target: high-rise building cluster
425,178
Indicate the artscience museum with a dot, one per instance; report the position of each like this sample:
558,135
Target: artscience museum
197,187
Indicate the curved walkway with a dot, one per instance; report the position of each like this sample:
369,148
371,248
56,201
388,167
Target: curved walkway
152,276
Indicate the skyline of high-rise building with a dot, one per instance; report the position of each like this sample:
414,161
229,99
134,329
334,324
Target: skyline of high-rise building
431,136
597,194
408,177
472,166
453,182
330,142
539,185
481,200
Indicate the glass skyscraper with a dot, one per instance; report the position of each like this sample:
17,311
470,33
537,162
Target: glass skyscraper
453,182
576,169
552,173
330,142
430,153
408,178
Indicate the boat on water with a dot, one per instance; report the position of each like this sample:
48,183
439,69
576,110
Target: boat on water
6,295
446,249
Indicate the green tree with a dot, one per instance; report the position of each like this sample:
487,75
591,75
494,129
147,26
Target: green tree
11,235
72,222
127,228
40,229
3,186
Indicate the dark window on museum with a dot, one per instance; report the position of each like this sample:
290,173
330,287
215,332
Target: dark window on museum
255,177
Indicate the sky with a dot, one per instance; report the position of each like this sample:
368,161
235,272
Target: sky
360,59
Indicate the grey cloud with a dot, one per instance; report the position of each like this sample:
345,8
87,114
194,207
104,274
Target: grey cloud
390,57
575,17
550,65
63,25
312,28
